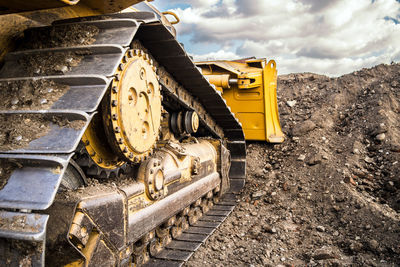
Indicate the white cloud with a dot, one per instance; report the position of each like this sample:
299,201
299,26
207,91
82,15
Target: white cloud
219,55
331,37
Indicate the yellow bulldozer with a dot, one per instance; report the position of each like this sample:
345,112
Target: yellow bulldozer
115,149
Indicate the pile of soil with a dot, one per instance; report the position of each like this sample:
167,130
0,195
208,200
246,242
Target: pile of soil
329,195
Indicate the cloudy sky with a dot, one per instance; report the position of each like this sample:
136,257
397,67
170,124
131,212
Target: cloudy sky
330,37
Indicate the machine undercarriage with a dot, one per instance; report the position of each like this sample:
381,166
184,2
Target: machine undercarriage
124,152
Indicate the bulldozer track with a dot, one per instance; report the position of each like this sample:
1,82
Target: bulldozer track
181,84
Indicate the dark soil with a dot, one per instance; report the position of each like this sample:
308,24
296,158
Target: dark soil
329,195
30,94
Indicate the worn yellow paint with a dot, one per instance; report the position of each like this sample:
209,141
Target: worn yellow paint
250,91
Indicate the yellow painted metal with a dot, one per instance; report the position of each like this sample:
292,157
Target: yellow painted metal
249,88
177,20
135,107
96,145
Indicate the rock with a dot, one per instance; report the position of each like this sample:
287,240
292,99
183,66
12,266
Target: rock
18,138
380,137
381,128
259,172
355,246
349,180
368,159
320,228
373,244
43,101
14,101
395,147
303,128
356,151
291,103
301,157
324,253
336,233
258,194
269,229
314,160
268,166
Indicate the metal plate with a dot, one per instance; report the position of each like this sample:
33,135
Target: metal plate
219,212
59,139
100,60
84,93
200,230
184,245
207,224
25,226
163,263
142,16
35,184
192,237
177,255
213,218
223,207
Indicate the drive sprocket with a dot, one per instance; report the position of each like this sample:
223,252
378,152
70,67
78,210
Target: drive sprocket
132,110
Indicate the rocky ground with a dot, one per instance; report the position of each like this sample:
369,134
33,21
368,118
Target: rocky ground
329,195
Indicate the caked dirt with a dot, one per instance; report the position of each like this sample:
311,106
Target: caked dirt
20,129
33,94
329,195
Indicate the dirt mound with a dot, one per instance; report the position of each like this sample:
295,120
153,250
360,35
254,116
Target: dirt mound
329,195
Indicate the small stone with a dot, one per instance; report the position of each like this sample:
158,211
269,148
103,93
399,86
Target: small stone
380,137
349,180
50,89
320,228
314,160
14,101
273,194
269,229
368,159
18,138
373,244
43,101
291,103
258,194
355,246
283,259
356,151
323,253
336,233
268,166
301,157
